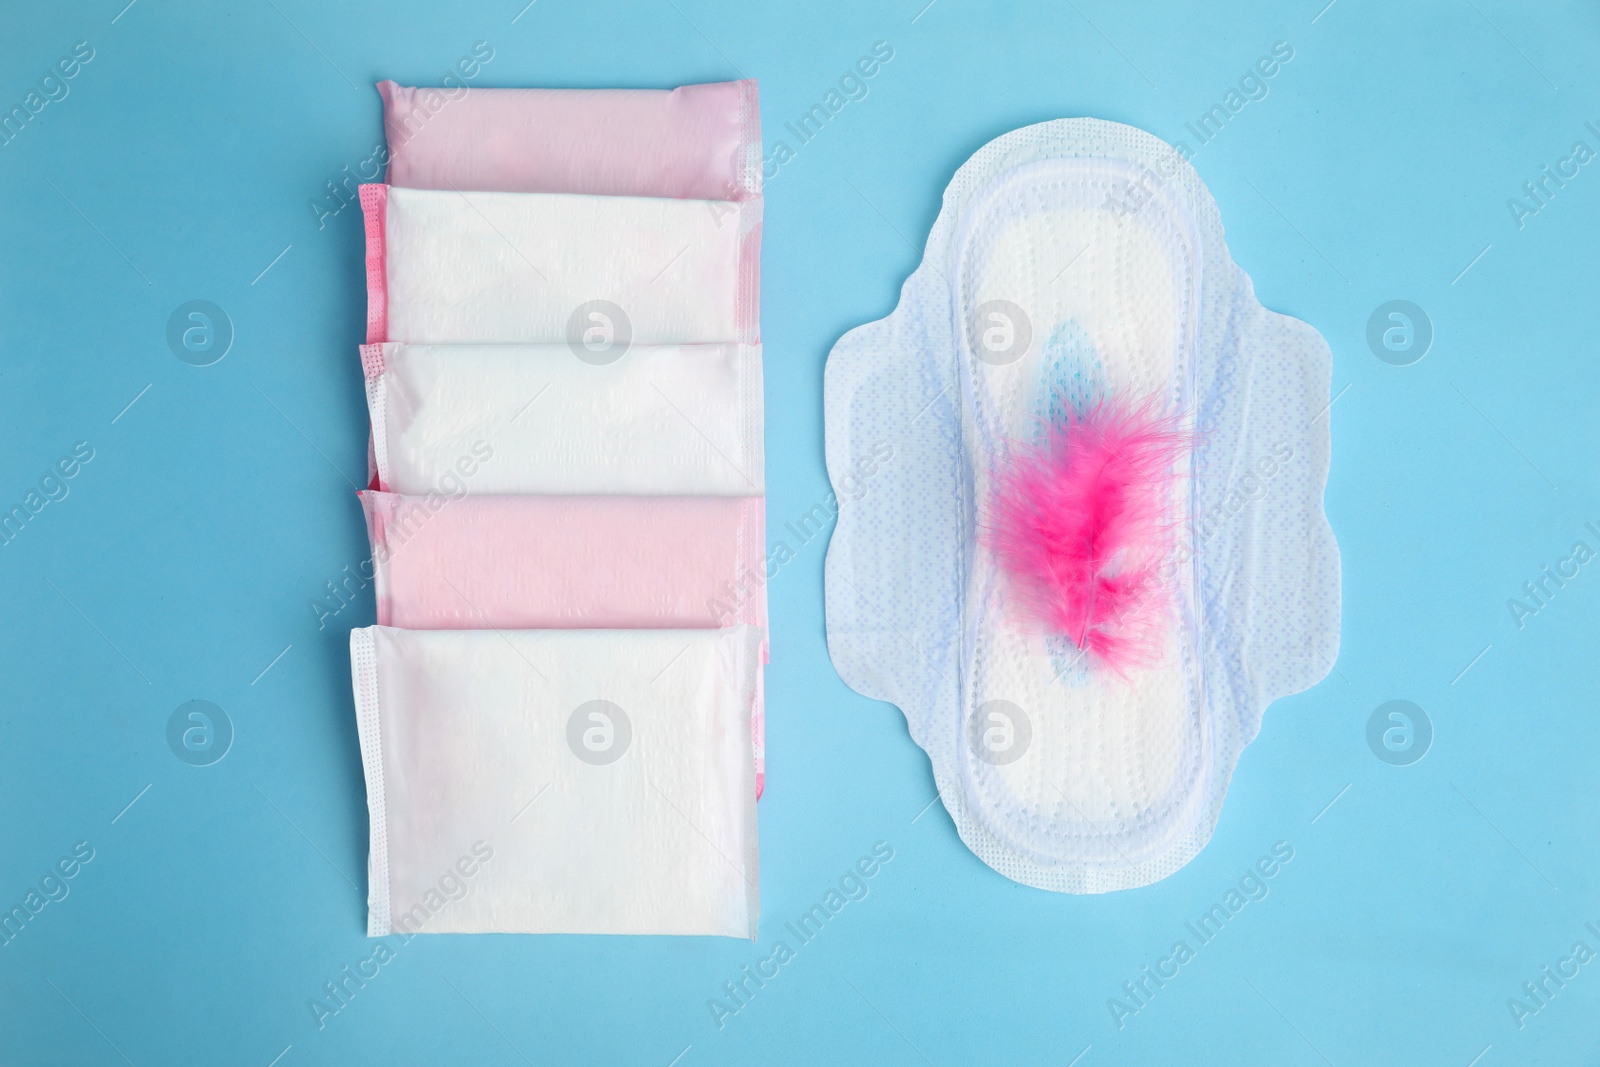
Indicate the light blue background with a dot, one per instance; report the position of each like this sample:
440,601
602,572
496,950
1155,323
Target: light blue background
184,559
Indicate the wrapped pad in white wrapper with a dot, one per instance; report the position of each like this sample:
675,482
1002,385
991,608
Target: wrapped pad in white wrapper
591,781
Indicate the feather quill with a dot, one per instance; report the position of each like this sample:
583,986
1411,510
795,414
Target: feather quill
1080,522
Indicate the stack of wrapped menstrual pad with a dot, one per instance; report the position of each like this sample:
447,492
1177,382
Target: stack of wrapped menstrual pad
560,706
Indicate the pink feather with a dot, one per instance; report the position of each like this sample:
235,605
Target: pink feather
1080,523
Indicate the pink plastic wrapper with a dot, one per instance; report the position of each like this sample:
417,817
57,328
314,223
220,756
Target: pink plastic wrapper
571,562
700,142
566,562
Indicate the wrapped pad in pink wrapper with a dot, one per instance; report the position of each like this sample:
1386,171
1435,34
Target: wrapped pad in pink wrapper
566,562
699,142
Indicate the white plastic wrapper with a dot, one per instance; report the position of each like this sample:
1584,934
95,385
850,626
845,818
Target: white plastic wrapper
591,781
655,420
548,268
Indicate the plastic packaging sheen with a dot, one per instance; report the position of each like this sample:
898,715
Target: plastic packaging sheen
697,142
571,781
669,420
456,267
